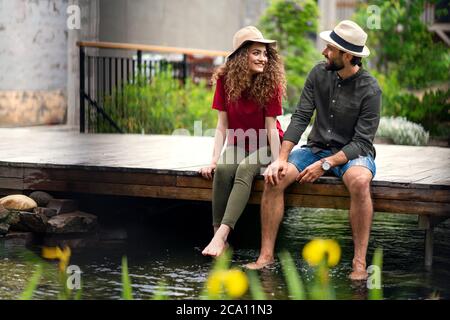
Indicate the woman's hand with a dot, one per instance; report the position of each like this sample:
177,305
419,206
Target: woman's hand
206,172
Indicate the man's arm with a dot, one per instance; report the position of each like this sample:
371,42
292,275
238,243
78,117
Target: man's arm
299,121
304,111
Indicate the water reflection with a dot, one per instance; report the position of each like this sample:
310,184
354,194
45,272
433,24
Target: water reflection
170,251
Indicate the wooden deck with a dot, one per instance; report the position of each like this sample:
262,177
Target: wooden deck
408,180
411,180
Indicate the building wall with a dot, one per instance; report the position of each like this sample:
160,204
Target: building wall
33,62
202,24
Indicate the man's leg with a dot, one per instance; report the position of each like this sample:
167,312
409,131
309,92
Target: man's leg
272,210
357,180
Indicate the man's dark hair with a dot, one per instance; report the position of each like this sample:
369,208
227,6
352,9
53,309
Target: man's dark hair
355,60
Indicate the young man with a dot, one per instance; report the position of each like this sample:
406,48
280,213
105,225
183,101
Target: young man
347,100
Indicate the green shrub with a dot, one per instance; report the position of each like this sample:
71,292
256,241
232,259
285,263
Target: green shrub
293,23
402,131
161,106
403,43
432,111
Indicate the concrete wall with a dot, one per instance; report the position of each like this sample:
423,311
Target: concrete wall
39,69
88,32
203,24
33,61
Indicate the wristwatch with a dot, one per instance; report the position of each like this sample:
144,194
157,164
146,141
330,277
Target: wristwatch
325,165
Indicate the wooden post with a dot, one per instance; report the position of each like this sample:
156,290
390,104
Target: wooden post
425,223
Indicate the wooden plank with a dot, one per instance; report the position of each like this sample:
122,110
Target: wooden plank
7,192
11,183
11,171
393,193
315,201
153,48
124,190
31,176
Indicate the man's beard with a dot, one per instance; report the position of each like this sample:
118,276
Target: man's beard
333,66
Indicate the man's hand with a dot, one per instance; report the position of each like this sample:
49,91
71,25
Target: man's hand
206,172
311,173
275,172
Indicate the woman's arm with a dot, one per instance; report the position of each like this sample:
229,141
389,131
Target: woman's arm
219,139
273,136
219,136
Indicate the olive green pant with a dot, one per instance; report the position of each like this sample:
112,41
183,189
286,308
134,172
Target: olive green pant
232,182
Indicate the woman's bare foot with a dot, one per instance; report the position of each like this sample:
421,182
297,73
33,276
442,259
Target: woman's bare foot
218,243
359,272
215,248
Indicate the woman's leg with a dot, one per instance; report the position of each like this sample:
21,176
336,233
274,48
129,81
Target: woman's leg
248,169
222,185
237,201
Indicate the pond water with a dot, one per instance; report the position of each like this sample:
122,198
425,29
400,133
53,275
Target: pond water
167,247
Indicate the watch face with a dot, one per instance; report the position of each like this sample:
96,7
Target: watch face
326,166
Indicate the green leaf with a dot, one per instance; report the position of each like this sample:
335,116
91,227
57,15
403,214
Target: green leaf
127,293
32,285
376,292
293,280
256,289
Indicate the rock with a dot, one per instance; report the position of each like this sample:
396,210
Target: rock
4,213
42,198
18,202
63,205
48,212
30,221
12,218
4,229
73,222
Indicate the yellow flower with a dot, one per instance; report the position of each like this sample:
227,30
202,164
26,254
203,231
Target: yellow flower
234,282
315,250
56,253
215,281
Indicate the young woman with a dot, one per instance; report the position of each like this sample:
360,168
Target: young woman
249,89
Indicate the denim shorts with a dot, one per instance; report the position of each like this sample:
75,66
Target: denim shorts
303,157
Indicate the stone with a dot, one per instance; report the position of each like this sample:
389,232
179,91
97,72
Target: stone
30,221
12,218
18,202
42,198
73,222
48,212
63,205
4,213
4,228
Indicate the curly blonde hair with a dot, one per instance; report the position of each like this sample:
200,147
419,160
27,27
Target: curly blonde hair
260,87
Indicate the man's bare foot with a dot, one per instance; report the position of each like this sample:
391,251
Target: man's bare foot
216,247
359,272
260,264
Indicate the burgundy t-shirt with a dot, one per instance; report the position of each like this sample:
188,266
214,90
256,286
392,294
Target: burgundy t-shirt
245,114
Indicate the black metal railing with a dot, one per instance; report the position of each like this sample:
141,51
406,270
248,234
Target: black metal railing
102,79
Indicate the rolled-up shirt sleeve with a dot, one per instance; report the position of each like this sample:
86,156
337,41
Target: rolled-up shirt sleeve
304,111
365,128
